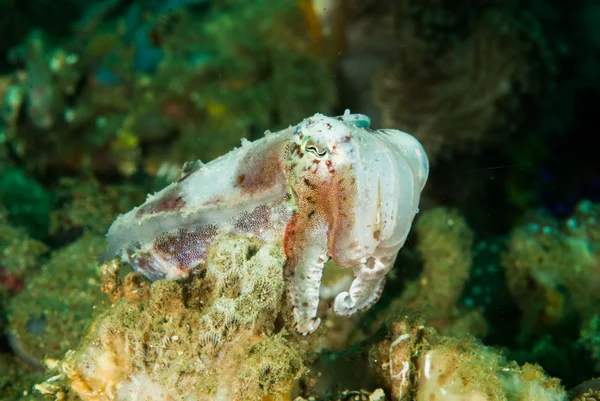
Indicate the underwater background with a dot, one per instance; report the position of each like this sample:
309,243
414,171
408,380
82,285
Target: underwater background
497,287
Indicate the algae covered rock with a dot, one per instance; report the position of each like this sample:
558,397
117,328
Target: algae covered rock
219,337
20,256
445,243
416,363
552,267
54,311
17,379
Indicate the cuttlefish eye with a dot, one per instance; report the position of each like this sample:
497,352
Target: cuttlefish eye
309,146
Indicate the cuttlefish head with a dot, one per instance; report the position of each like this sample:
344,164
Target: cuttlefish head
321,149
365,183
322,160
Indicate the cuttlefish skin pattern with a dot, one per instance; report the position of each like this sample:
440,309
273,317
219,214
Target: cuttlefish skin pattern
329,187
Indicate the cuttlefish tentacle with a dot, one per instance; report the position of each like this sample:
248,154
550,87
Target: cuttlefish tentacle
375,267
366,288
361,295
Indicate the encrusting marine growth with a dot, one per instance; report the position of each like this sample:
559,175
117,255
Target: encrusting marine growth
215,338
416,363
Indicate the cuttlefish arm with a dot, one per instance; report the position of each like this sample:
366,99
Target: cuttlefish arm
308,231
322,220
306,253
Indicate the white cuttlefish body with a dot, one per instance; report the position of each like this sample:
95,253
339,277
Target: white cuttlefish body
329,187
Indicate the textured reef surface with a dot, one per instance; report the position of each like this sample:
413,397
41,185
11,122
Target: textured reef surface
257,271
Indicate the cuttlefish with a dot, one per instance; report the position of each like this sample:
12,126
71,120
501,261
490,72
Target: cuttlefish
328,187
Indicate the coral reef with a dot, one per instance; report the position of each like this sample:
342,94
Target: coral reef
102,101
551,272
218,337
415,363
